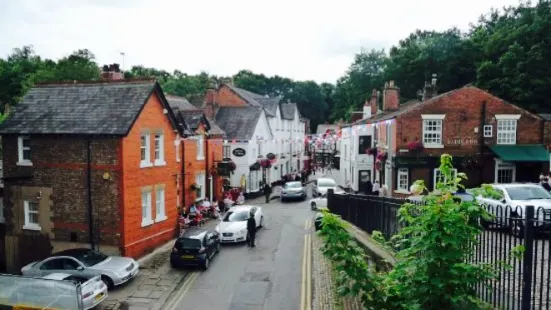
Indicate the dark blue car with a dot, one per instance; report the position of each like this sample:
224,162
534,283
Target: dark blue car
195,248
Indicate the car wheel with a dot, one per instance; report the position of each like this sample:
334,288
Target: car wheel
206,264
313,206
218,248
282,200
108,282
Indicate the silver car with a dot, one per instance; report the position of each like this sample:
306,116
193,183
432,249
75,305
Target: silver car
293,190
87,263
94,291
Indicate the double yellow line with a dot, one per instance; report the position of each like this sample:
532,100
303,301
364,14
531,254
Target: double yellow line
306,290
180,293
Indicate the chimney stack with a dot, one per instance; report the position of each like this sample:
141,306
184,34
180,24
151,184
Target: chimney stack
210,103
112,73
374,102
367,109
391,97
430,90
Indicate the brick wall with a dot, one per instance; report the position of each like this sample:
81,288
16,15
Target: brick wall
60,163
192,168
139,240
463,110
225,97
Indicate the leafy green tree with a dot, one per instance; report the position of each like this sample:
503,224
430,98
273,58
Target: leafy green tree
80,66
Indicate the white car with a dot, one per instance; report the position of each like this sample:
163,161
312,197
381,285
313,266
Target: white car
233,226
320,202
93,290
322,185
510,210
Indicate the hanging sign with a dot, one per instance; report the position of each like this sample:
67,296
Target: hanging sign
239,152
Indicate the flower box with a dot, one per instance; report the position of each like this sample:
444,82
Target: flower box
415,146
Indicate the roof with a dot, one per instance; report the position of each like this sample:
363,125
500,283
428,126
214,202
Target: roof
85,108
521,152
270,105
248,96
546,117
180,102
238,122
288,111
322,128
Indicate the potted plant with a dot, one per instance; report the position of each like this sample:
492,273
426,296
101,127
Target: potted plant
415,146
232,166
265,163
382,156
194,186
255,166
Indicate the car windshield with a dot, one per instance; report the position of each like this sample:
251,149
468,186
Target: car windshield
236,216
188,244
528,193
292,185
89,257
327,183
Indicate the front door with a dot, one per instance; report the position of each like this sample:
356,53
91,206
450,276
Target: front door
363,177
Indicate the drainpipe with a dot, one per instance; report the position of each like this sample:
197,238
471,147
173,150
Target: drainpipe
89,187
207,172
183,142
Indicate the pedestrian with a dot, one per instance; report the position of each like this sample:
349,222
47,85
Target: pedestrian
251,230
267,192
368,188
376,188
546,185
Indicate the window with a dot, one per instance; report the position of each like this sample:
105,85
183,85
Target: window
488,131
506,131
1,210
504,172
147,217
145,150
259,148
403,180
226,151
200,181
363,144
160,214
200,146
52,264
432,130
177,145
159,145
438,176
31,215
24,148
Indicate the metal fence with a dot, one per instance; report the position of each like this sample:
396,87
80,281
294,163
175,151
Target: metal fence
522,281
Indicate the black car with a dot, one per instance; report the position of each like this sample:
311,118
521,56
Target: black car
195,248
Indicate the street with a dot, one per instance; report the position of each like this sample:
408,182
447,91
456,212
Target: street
271,276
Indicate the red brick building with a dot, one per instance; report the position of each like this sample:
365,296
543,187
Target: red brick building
491,140
93,164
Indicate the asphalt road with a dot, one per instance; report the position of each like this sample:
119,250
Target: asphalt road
270,276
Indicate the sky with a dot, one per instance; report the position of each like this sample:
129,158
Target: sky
300,39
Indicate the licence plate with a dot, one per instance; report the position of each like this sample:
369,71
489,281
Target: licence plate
187,256
99,296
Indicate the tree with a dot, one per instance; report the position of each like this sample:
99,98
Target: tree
79,66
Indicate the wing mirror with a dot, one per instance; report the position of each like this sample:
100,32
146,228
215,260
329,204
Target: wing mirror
80,268
503,200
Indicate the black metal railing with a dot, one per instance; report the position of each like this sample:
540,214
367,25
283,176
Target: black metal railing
517,239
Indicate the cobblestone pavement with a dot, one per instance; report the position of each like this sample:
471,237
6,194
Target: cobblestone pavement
324,294
153,286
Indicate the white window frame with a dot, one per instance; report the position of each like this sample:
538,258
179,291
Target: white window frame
435,175
146,162
200,147
21,160
28,225
399,187
147,206
159,148
200,180
434,118
259,148
177,147
160,203
2,219
502,135
488,131
502,165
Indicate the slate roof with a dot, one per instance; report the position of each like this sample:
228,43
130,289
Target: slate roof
546,117
89,108
248,96
288,111
270,105
191,116
238,122
180,103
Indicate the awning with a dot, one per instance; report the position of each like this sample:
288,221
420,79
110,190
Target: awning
521,153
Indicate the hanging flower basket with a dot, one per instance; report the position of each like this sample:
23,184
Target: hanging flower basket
232,166
271,156
371,151
265,163
255,166
382,156
378,166
194,187
415,146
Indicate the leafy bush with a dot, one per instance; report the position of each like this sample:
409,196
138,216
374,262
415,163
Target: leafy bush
437,239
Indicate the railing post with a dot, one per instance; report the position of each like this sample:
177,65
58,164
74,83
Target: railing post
330,200
528,256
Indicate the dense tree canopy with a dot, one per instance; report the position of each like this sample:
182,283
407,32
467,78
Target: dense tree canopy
505,52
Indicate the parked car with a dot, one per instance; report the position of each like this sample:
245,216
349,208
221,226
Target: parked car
320,202
196,247
233,226
38,293
93,290
113,270
293,190
462,196
509,211
322,185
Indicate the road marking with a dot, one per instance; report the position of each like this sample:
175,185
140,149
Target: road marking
306,283
307,224
188,283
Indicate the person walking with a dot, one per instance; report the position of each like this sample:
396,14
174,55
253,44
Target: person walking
368,188
251,230
376,188
267,192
